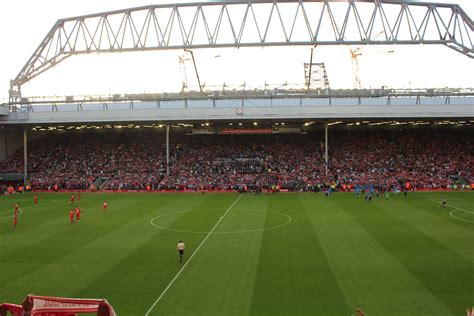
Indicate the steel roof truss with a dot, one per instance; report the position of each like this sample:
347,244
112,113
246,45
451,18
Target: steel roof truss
173,29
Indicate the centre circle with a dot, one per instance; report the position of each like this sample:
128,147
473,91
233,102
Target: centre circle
285,221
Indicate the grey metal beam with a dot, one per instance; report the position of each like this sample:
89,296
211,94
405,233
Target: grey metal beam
167,150
25,157
326,149
273,92
303,113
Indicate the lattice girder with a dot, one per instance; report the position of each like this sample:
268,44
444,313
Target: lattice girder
251,23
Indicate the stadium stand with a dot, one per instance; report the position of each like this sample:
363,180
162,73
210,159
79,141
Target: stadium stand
428,158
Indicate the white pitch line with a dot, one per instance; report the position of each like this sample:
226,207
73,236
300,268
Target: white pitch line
190,258
20,211
459,218
457,208
30,206
460,209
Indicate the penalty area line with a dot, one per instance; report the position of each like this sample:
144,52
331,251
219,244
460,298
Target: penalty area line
190,258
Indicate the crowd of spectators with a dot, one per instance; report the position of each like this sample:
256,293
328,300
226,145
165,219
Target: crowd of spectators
136,160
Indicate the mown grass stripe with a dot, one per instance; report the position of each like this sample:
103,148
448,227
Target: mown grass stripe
367,274
293,275
221,278
435,222
191,257
447,275
25,265
99,256
150,266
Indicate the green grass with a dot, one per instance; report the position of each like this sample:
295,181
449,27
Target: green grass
285,254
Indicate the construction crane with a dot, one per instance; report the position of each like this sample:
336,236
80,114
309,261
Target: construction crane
182,65
182,62
355,53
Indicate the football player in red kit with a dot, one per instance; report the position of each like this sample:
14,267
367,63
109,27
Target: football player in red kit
104,206
78,214
71,199
71,215
15,215
35,199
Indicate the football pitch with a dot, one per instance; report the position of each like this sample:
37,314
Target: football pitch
272,254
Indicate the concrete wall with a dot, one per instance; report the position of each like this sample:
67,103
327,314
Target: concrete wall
10,141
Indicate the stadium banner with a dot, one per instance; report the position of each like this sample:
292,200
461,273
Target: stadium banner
60,306
15,310
217,190
247,131
40,304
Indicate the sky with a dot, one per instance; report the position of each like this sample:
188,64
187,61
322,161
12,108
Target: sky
24,23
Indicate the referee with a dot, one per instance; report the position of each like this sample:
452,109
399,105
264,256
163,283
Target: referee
180,247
